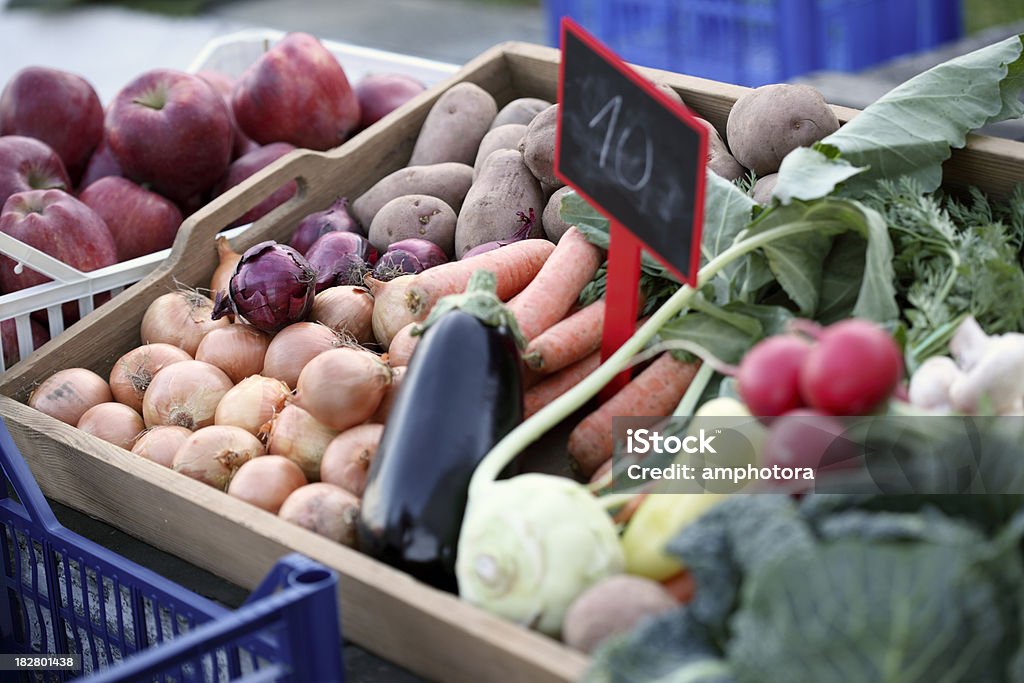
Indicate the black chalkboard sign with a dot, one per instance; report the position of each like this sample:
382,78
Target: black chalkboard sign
631,151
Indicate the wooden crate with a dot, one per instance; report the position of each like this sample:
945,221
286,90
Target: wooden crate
428,631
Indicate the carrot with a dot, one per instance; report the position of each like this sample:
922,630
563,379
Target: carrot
513,267
681,586
551,294
626,512
600,474
655,391
567,341
557,384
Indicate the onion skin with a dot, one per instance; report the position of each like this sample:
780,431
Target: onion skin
252,403
347,459
229,259
180,319
395,263
115,423
343,387
340,258
293,347
236,349
133,372
160,444
402,346
298,436
213,455
185,394
384,409
316,225
425,251
390,313
323,509
272,287
67,394
347,310
266,482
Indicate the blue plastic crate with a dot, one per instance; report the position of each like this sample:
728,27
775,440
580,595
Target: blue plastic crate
754,42
62,594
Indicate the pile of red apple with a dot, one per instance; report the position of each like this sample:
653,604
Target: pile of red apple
93,187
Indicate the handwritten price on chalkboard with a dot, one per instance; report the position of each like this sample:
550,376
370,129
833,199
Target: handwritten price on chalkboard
614,106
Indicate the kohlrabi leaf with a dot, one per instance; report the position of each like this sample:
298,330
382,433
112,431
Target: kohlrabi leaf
799,263
910,131
728,331
937,616
810,173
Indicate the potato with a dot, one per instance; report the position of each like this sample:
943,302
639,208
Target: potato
502,195
769,122
763,188
612,606
455,126
521,111
448,182
554,226
720,161
414,215
502,137
538,146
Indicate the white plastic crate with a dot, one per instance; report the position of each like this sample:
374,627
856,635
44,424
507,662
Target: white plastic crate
229,54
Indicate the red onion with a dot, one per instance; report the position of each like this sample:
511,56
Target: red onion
341,258
273,287
428,253
486,246
395,263
527,221
314,226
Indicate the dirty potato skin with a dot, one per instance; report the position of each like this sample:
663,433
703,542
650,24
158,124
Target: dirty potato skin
769,122
538,146
414,215
520,111
447,181
502,137
455,126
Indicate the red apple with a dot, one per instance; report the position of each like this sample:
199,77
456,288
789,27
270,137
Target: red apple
298,93
54,222
101,165
172,130
249,164
381,94
9,332
57,107
140,221
28,164
223,84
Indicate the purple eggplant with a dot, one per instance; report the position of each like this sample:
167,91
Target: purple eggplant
272,287
335,218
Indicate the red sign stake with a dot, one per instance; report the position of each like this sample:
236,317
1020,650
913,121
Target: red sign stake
621,294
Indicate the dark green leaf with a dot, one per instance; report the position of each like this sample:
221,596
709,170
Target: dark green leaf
841,279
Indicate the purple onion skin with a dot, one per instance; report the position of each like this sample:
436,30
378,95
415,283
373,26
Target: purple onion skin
341,258
396,262
485,247
273,287
314,226
425,251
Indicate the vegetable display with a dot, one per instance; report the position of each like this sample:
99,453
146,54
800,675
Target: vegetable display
441,408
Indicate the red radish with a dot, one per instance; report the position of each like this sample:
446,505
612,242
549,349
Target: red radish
854,367
133,372
769,376
266,481
67,394
115,423
808,438
213,455
347,460
324,509
160,444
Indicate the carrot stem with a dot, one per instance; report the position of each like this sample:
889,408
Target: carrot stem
556,411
